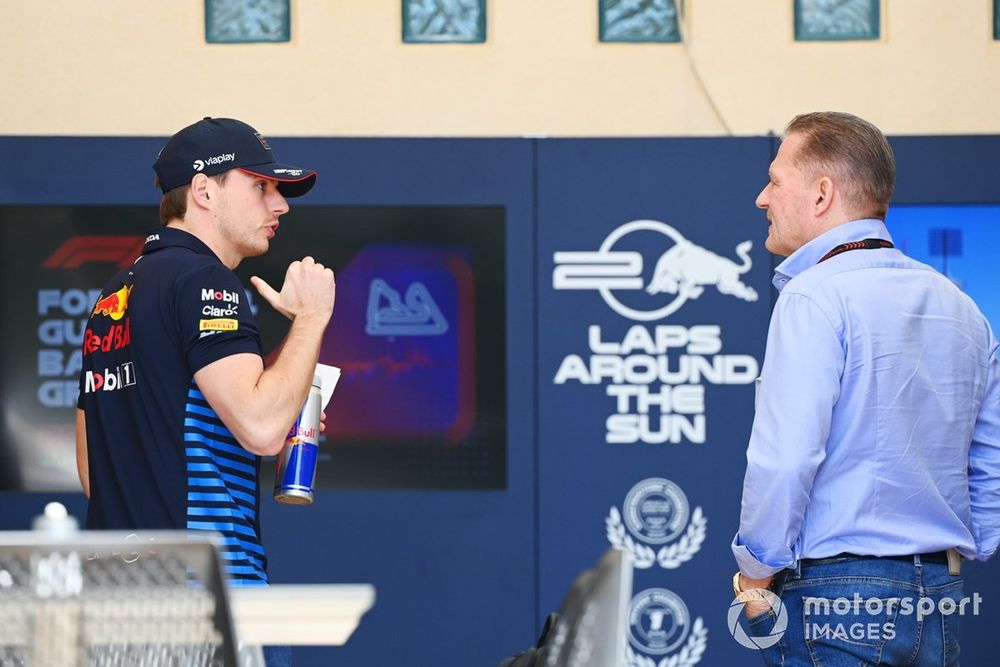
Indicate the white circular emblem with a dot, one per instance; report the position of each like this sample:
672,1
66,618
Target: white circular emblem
198,165
754,642
612,300
658,621
656,510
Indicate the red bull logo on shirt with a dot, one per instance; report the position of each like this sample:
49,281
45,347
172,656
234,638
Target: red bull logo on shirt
118,336
114,304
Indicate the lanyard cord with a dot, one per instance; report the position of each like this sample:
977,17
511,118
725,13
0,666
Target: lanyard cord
866,244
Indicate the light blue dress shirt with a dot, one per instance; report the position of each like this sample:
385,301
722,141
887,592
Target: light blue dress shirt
877,425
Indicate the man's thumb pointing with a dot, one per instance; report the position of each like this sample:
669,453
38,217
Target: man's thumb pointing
262,287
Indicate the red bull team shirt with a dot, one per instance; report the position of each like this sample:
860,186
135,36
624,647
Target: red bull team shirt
159,456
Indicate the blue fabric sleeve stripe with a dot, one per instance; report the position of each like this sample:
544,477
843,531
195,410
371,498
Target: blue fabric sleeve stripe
222,527
246,498
245,483
216,429
215,512
243,583
229,479
241,544
222,512
235,512
245,501
206,481
209,497
200,410
227,447
241,555
221,460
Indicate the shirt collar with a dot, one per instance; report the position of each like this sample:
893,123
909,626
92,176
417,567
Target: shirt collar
167,237
811,253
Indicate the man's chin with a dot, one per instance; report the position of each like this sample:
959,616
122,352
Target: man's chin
259,249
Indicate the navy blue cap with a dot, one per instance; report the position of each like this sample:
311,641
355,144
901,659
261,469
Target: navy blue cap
215,145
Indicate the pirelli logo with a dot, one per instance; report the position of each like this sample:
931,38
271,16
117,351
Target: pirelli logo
219,324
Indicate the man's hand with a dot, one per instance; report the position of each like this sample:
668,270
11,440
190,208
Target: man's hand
259,405
756,604
309,290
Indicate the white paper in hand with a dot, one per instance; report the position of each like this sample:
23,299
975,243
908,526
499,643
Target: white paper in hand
329,376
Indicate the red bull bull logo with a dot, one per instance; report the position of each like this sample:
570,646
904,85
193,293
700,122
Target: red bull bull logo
113,305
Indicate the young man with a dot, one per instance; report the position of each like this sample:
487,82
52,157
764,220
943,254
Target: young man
875,447
176,407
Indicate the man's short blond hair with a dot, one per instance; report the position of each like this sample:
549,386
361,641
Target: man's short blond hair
852,151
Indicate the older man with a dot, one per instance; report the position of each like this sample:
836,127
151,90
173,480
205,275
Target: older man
874,460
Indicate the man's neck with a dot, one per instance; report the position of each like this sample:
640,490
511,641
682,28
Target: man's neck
204,234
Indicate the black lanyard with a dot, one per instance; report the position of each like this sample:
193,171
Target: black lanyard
865,244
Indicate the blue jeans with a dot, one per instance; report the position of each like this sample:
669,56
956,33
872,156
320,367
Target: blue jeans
859,612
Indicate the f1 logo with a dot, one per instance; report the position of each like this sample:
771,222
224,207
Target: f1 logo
80,250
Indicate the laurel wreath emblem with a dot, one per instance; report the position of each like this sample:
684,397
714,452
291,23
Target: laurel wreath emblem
643,556
669,556
689,655
681,551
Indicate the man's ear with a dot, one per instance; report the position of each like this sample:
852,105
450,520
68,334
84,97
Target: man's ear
199,192
823,193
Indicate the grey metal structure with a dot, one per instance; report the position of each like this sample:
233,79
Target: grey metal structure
103,599
591,630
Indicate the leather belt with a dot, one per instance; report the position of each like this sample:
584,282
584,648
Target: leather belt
938,557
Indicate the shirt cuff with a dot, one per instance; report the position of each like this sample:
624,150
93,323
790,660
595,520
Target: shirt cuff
750,565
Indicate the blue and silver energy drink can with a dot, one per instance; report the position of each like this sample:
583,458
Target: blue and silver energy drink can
296,471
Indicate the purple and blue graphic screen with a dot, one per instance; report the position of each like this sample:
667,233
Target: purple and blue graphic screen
409,373
418,331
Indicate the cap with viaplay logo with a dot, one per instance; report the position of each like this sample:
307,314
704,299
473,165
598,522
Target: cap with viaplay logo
214,145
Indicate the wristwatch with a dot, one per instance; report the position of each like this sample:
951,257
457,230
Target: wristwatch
737,591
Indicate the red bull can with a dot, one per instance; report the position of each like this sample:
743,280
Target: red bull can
296,470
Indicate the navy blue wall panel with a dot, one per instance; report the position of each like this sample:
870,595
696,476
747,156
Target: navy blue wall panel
464,577
947,170
695,201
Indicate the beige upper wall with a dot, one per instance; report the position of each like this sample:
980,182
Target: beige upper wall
141,67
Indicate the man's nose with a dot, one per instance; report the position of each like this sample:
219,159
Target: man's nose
762,198
279,204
